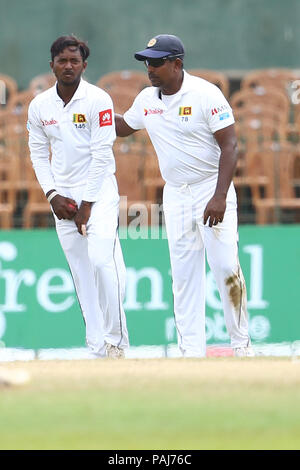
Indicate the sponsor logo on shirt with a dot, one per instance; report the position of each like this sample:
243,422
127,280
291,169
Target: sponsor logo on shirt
185,111
219,109
105,118
48,123
78,118
153,111
223,116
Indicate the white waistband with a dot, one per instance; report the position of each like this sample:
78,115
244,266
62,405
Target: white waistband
210,181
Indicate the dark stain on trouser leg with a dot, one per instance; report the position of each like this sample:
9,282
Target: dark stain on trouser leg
235,291
235,286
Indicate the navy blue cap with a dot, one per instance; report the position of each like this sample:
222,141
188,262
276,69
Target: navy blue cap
160,46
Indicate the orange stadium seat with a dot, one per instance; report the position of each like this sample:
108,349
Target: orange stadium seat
285,80
131,80
20,101
153,180
215,77
122,99
149,169
271,96
37,205
8,88
261,112
279,194
261,115
129,173
255,132
7,190
281,78
42,82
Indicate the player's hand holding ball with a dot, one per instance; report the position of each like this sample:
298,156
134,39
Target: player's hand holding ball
64,207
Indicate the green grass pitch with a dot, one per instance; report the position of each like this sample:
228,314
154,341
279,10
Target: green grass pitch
214,403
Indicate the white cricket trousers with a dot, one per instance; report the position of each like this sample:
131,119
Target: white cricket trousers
189,244
97,267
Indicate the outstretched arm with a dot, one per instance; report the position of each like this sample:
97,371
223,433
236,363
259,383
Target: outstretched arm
122,128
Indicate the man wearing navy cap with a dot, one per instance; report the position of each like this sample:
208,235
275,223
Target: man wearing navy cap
191,127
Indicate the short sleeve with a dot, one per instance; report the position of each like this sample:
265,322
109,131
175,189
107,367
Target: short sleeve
134,117
217,110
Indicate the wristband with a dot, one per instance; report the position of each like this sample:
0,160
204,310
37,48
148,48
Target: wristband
52,195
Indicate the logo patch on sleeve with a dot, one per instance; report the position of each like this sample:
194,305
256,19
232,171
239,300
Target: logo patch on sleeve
105,118
224,116
219,109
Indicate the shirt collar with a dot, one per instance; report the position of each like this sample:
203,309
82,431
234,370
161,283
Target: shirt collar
79,93
185,84
184,87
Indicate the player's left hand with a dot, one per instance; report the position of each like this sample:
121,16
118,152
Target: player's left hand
215,210
82,216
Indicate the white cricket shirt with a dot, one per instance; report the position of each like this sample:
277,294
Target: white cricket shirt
81,135
181,128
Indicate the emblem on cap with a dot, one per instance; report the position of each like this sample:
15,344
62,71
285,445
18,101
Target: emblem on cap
151,42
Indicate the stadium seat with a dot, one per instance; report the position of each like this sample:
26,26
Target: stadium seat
279,194
122,98
6,211
262,112
30,195
7,190
153,180
261,115
42,82
254,175
281,78
8,88
16,136
215,77
20,101
13,125
129,173
37,205
270,97
132,80
296,125
18,184
255,132
130,155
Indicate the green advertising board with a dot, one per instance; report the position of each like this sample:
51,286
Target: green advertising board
39,308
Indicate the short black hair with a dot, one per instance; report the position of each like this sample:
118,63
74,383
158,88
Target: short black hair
174,58
69,41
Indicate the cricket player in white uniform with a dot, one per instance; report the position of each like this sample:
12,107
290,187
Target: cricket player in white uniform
77,120
191,126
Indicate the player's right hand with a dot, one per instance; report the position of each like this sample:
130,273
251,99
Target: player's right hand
214,210
64,207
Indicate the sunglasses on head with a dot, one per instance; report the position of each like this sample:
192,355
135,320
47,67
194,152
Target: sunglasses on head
161,61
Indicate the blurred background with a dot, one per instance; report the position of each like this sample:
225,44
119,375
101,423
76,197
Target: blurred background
251,50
